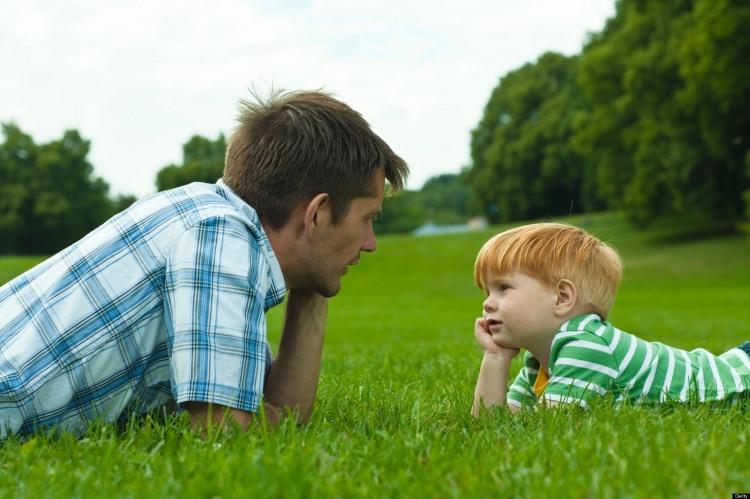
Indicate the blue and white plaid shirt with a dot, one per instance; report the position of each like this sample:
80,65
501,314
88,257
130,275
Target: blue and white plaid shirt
163,303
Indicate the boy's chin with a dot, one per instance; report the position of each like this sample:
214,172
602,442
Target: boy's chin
502,341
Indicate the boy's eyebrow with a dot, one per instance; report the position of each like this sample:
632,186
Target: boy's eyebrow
491,280
501,279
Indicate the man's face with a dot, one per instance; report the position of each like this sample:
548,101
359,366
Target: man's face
338,246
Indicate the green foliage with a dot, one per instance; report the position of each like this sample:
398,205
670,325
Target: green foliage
49,196
647,119
745,224
445,199
522,162
398,373
665,82
401,212
202,161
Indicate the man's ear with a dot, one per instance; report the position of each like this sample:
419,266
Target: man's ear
317,212
566,296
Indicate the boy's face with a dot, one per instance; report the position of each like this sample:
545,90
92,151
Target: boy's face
519,310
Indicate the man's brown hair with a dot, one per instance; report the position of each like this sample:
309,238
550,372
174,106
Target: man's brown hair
291,146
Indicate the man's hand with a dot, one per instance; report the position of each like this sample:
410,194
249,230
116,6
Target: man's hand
292,379
204,415
484,338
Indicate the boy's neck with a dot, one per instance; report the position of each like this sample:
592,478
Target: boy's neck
543,348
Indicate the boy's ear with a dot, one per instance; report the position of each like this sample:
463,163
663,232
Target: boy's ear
566,296
317,211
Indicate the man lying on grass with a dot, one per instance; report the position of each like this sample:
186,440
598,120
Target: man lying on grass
549,289
165,304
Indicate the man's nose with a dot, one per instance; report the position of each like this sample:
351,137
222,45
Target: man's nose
369,242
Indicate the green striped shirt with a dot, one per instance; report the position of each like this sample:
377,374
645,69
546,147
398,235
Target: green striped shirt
590,358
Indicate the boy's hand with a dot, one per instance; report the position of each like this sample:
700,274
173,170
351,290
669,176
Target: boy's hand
484,338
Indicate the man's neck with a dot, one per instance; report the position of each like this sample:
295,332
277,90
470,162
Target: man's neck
282,246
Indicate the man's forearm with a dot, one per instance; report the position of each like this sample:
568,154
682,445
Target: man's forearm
492,383
292,381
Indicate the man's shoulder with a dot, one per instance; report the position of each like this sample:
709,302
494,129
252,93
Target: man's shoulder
191,203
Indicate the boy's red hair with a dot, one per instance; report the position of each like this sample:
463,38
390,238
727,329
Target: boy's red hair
551,252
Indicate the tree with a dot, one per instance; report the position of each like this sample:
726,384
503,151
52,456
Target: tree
402,212
49,196
664,82
202,161
648,119
523,164
445,198
17,160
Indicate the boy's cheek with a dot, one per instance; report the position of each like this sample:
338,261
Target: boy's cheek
499,340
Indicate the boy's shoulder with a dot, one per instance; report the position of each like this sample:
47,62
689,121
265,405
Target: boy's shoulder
590,323
582,334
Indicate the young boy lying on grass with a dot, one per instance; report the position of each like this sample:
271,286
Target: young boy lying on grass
549,289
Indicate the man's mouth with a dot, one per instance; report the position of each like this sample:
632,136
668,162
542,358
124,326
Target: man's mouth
353,262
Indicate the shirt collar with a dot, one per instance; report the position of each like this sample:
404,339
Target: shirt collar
277,277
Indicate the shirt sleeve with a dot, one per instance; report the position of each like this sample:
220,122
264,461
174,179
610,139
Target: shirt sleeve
216,281
583,370
520,393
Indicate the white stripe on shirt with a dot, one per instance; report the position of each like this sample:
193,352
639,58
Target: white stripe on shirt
565,399
590,345
566,361
586,385
744,358
582,325
735,376
668,378
688,375
615,339
717,378
646,364
628,357
567,334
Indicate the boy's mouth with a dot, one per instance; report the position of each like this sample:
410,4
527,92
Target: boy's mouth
492,323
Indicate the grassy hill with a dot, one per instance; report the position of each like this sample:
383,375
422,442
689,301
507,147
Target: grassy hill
397,381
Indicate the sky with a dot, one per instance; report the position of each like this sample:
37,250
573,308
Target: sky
138,78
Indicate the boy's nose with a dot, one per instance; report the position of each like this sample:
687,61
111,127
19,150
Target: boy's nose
488,306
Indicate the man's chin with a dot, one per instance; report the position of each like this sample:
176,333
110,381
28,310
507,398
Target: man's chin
330,290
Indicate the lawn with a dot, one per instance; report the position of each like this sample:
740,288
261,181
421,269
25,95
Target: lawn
398,375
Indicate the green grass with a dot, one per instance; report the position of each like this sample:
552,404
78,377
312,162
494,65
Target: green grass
396,386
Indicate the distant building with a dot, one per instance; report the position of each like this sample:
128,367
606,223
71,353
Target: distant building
430,229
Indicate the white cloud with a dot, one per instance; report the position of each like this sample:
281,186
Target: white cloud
139,78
